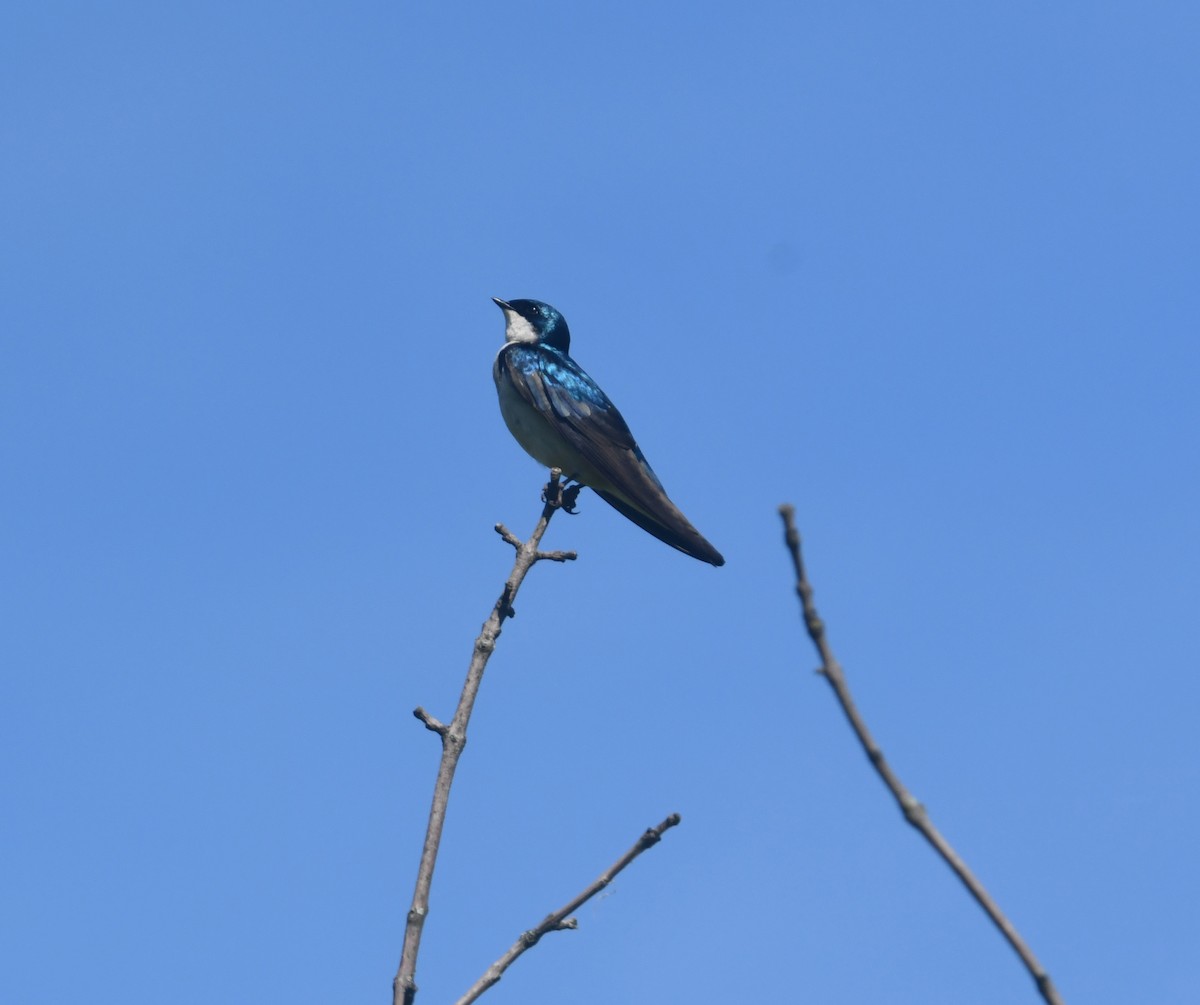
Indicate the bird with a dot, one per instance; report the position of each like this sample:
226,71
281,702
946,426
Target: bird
562,419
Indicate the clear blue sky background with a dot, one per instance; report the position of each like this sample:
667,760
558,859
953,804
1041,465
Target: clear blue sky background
927,270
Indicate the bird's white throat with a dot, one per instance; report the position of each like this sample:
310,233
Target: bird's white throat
517,328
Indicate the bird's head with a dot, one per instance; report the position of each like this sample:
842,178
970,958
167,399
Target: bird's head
534,321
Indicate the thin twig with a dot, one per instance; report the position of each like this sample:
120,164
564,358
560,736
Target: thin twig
913,811
454,735
561,919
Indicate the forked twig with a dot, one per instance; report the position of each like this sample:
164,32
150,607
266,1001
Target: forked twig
454,734
561,919
913,811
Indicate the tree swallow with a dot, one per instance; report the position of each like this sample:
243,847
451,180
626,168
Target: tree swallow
562,419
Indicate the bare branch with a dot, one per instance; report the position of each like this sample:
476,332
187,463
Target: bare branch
560,919
432,724
556,556
454,735
508,536
913,811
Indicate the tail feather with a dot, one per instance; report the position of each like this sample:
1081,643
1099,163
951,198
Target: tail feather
682,535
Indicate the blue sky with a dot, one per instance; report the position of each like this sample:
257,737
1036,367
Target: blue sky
927,271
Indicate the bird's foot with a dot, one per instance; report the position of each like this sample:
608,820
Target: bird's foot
562,495
570,497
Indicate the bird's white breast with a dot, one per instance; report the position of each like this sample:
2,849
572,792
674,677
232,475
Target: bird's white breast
529,427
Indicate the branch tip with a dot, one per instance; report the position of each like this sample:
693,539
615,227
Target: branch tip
432,724
508,535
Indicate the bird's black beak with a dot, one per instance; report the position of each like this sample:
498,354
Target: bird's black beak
504,305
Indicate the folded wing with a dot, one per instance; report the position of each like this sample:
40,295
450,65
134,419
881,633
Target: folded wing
579,411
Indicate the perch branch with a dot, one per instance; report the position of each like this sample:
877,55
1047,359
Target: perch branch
913,811
561,919
454,735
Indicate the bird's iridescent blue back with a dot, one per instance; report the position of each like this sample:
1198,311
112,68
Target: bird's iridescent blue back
560,370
